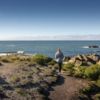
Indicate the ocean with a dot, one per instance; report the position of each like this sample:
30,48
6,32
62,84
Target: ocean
69,48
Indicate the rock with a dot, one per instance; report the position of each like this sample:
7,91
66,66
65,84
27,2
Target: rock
80,57
85,60
78,63
93,46
67,58
96,58
0,64
72,60
85,57
98,62
89,63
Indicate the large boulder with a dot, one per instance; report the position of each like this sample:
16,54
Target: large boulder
85,58
98,62
78,62
72,60
67,59
96,58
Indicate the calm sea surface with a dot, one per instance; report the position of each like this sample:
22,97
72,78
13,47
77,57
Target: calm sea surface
49,47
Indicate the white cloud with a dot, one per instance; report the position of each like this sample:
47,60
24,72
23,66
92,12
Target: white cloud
50,37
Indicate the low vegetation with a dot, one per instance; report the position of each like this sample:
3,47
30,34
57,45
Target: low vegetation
41,59
30,78
90,72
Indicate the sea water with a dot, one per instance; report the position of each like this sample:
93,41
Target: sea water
69,48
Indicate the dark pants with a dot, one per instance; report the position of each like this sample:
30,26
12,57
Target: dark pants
60,66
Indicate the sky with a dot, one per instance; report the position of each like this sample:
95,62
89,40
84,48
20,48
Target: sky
49,19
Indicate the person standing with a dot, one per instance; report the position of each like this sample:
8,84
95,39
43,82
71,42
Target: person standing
59,58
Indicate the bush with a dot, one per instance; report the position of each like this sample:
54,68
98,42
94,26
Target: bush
90,89
14,79
21,91
14,58
97,96
1,88
98,83
41,59
92,72
79,71
52,62
5,60
69,68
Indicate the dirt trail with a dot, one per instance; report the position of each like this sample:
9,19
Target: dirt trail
7,69
67,88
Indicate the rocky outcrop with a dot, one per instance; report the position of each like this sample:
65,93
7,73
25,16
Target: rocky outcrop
84,59
93,46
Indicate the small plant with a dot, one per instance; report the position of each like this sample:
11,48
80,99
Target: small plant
1,88
14,79
41,59
93,72
5,60
97,96
21,91
52,62
87,90
14,58
98,83
91,89
69,68
79,71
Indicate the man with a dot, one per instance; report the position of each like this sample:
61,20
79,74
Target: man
59,58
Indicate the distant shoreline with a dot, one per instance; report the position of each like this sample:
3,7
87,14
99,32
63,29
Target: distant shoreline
44,40
14,53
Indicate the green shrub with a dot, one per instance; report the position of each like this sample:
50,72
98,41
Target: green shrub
6,60
87,90
14,58
14,79
83,97
90,89
98,83
97,96
79,71
21,91
1,88
69,68
52,62
41,59
92,72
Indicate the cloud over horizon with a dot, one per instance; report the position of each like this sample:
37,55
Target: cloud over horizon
51,37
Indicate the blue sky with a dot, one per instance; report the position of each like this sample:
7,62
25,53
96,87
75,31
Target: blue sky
40,19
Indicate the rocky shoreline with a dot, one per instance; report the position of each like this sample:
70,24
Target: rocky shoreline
84,59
